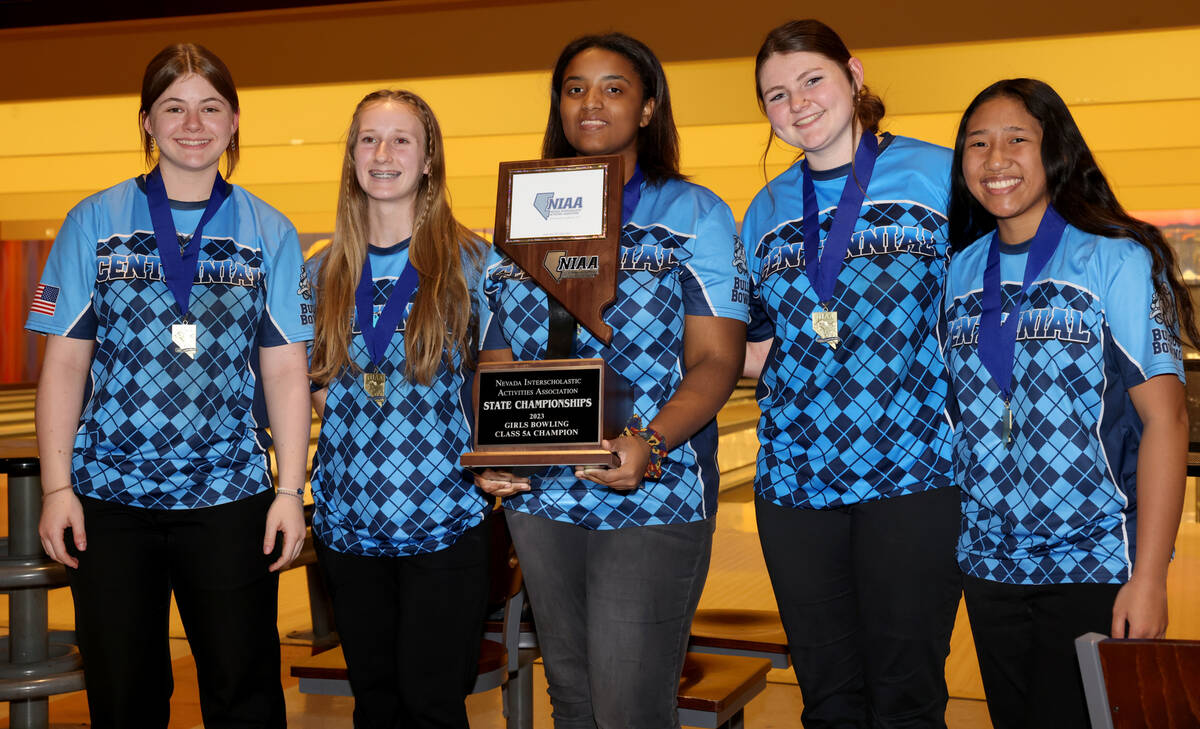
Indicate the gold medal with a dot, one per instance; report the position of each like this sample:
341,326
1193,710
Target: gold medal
183,336
375,383
825,326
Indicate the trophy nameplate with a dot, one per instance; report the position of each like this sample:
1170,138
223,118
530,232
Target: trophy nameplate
547,412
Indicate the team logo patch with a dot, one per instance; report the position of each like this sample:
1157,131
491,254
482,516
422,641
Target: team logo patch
45,300
739,257
305,289
1156,310
561,266
551,206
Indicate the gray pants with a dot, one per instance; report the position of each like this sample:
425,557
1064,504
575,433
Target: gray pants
613,610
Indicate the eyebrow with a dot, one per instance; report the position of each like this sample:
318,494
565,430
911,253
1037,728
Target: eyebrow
209,100
609,77
798,77
1010,128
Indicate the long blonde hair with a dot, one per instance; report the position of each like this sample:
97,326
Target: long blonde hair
442,320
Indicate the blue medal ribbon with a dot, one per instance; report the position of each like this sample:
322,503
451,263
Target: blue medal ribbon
179,264
630,194
377,334
998,342
823,271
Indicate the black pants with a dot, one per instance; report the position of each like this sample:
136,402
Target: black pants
410,629
868,595
1025,640
212,559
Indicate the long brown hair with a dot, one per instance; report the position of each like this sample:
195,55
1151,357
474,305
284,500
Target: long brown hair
813,36
173,62
442,320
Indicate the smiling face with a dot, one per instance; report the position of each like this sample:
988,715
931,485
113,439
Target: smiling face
191,124
809,101
601,105
1002,164
389,152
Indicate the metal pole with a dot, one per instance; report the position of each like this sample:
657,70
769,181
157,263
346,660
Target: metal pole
28,618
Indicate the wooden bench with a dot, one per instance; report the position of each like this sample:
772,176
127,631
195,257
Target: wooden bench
713,691
751,633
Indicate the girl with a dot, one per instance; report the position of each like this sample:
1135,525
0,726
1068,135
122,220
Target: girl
175,305
615,560
1071,434
854,503
398,523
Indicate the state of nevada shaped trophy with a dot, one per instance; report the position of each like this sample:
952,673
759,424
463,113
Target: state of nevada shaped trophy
559,220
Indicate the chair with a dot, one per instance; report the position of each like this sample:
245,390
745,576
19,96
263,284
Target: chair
502,663
1140,683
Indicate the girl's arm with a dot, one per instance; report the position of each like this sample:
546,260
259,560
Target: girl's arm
756,357
56,413
713,353
285,386
1140,610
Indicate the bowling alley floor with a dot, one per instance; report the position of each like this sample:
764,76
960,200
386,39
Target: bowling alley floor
737,579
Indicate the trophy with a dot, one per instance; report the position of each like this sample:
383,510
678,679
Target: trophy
559,220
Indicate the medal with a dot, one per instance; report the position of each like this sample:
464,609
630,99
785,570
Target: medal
180,262
377,332
375,384
183,336
998,341
825,326
1006,429
822,270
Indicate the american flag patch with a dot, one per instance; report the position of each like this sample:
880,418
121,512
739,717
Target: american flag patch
45,298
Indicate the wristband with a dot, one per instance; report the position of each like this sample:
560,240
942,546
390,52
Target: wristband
298,493
55,491
654,439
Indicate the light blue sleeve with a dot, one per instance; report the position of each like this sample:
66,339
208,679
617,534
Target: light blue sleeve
489,320
1135,316
62,301
290,302
760,327
719,284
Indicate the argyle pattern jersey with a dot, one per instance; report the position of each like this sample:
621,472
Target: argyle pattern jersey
867,420
1060,504
159,429
679,256
386,479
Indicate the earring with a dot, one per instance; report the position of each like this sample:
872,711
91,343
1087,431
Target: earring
233,144
152,145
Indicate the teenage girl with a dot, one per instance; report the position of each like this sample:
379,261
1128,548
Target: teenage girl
176,312
615,560
1071,436
855,506
398,524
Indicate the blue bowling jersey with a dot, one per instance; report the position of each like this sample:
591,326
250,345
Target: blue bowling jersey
679,256
865,421
1060,504
386,479
160,430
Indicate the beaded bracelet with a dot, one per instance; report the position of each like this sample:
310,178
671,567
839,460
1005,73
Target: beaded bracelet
654,439
298,493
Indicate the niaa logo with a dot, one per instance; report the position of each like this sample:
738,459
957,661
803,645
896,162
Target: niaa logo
561,266
549,205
